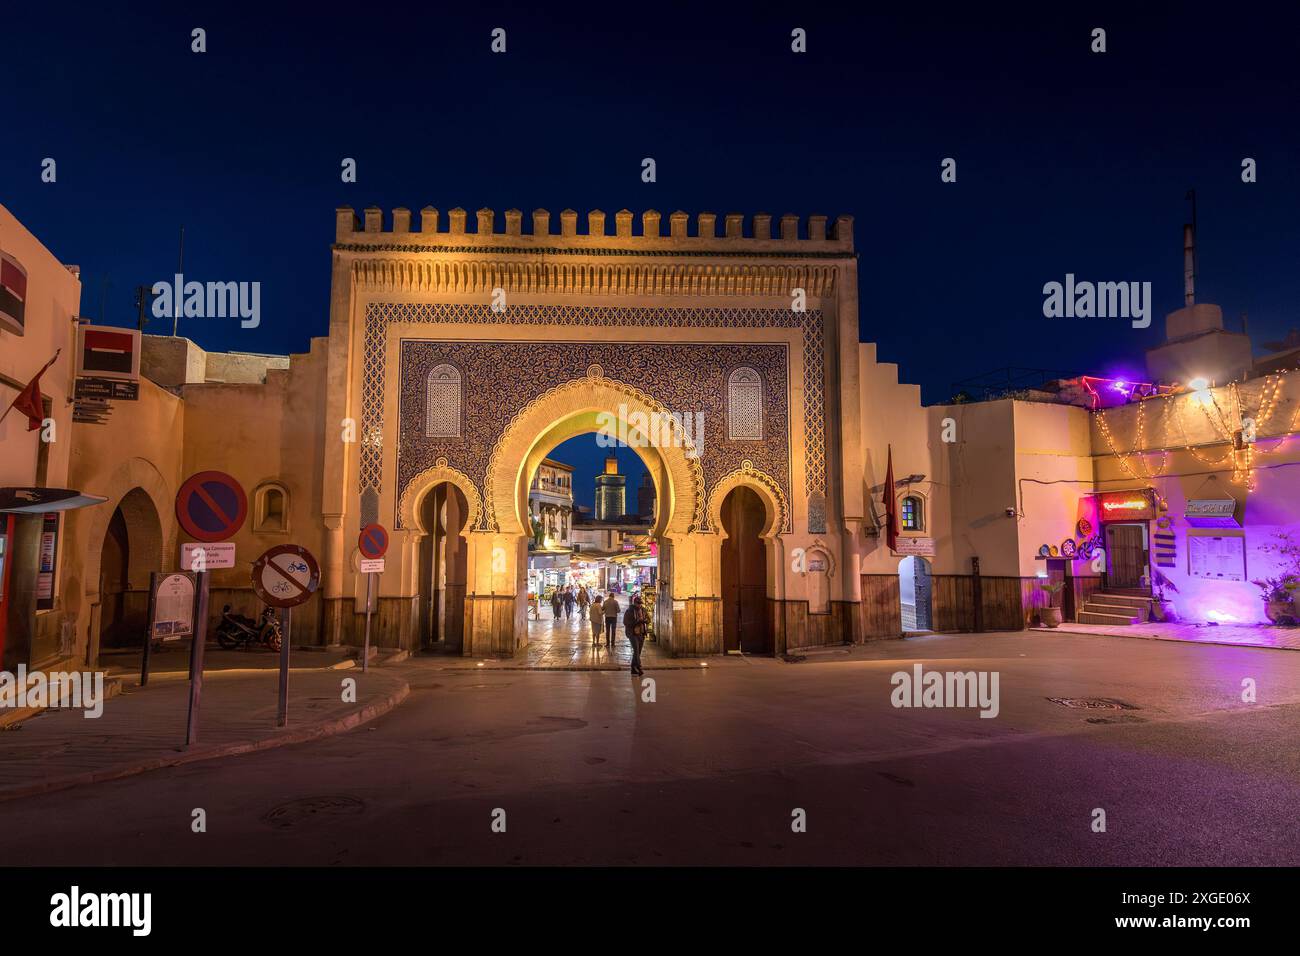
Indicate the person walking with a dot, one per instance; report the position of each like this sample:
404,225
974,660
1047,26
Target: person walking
568,602
557,602
583,600
610,609
634,626
597,617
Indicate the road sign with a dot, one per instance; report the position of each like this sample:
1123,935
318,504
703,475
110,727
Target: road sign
372,565
218,555
285,576
211,506
373,541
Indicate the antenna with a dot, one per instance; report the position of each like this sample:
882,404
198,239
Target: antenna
180,270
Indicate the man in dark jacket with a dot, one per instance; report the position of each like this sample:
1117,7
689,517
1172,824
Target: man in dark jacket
610,607
568,602
634,623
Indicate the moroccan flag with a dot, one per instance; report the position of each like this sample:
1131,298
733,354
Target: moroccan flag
891,507
29,400
13,294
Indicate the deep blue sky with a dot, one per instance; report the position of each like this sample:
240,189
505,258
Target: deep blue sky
1067,161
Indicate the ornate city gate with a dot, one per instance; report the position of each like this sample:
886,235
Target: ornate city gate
470,356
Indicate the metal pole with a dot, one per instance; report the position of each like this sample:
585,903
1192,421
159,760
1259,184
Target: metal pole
148,627
282,719
196,659
365,651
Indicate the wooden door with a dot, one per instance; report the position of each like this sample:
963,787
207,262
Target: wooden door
1126,555
744,575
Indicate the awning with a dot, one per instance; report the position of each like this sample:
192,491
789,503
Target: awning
40,500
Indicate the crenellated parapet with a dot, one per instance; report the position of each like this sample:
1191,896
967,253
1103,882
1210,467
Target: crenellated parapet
648,234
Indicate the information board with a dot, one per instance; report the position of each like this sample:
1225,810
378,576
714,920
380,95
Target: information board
1217,558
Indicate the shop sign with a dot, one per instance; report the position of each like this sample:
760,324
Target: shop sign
1126,505
1211,513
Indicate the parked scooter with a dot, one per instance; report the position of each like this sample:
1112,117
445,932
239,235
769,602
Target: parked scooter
236,630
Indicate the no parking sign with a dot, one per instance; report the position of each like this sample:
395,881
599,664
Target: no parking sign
211,506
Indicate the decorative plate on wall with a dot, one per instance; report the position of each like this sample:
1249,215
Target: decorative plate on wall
1084,528
1045,550
1068,548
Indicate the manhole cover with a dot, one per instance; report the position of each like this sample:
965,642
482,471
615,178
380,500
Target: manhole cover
296,812
1093,703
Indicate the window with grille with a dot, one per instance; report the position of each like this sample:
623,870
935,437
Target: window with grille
745,405
442,417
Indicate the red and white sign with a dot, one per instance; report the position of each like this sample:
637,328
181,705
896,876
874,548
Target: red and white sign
13,295
105,351
286,575
207,557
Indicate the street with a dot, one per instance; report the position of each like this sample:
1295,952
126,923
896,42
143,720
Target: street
713,770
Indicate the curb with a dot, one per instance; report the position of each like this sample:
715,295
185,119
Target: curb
1157,637
328,728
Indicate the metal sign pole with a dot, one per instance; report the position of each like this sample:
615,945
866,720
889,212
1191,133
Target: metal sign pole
283,712
365,651
196,658
148,627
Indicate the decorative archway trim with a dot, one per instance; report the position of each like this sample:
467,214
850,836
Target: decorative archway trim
768,489
409,506
593,393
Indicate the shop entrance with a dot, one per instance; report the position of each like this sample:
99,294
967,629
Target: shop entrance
1126,556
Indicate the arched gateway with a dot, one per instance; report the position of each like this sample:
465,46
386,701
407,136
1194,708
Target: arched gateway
472,355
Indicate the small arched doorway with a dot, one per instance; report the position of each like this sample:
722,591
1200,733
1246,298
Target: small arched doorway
443,514
745,619
914,594
131,549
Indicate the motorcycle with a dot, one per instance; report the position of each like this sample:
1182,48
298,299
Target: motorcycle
236,630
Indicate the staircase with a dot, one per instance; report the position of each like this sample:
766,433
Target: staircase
1120,607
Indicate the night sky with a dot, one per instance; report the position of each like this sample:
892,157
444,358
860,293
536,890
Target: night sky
1068,161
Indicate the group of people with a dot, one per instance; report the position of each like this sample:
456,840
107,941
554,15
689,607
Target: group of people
603,616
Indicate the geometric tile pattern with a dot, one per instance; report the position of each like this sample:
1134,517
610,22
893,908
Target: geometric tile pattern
594,323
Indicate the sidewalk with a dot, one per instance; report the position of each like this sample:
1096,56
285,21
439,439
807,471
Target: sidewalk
143,729
1236,635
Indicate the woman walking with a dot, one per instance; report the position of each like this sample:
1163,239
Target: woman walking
597,617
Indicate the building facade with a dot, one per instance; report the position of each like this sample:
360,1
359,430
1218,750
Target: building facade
726,355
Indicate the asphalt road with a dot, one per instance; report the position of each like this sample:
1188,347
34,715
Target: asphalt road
712,771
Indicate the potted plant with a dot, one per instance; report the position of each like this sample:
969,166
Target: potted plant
1162,608
1280,591
1051,614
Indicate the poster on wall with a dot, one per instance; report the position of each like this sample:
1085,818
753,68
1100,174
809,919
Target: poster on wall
49,555
1217,558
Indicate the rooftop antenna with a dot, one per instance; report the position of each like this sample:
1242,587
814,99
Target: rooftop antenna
176,294
1189,254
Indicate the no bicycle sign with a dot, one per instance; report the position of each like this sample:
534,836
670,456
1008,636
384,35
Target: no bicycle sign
285,576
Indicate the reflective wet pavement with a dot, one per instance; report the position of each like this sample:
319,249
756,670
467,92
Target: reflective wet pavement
566,642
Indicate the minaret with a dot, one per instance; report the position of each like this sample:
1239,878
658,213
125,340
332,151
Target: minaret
611,492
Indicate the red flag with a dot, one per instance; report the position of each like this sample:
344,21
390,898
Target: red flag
29,401
891,506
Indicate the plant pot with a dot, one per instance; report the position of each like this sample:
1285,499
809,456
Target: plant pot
1281,612
1050,616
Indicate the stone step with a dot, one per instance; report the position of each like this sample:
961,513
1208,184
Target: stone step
1118,610
1111,597
1112,620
